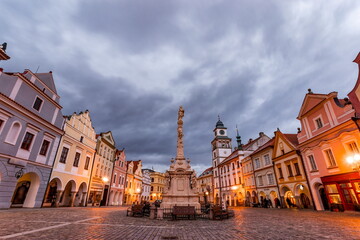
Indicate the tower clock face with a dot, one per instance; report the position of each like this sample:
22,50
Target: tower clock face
222,132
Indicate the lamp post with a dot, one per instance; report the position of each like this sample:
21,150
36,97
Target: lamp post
104,180
354,160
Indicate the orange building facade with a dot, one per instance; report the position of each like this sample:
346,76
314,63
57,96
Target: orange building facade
329,137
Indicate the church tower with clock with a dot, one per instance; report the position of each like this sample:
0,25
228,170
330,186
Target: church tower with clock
221,144
221,149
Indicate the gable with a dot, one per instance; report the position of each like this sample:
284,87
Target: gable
108,136
281,143
310,101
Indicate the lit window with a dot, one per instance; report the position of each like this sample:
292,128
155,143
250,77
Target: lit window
319,123
37,104
44,147
27,141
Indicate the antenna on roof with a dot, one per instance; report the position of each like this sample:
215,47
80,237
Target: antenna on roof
37,69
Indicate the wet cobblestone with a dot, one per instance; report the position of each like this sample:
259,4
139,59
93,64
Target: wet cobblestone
112,223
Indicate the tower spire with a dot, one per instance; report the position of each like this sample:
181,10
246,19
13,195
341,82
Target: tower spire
238,139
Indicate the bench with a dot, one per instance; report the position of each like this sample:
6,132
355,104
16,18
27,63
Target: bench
136,210
219,213
183,211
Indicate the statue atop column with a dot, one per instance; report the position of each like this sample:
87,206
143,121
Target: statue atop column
180,144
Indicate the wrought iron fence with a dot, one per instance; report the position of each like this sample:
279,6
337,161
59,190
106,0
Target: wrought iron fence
201,213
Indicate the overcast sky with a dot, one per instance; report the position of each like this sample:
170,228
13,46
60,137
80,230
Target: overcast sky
133,63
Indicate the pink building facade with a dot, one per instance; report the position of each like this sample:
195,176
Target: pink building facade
118,179
329,136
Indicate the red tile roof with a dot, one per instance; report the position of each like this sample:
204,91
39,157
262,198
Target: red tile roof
269,143
292,138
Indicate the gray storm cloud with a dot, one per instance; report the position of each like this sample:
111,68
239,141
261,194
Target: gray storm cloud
132,64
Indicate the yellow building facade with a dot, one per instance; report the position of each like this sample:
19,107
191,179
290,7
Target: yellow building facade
70,177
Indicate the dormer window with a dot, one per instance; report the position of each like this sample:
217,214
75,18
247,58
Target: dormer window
37,104
319,123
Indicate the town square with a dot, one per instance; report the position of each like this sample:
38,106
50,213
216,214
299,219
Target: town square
180,119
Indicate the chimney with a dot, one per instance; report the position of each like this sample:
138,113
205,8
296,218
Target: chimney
261,134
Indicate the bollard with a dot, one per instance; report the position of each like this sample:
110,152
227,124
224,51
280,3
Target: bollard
152,212
160,213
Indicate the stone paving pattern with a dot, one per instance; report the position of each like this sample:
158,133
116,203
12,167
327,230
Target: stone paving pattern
112,223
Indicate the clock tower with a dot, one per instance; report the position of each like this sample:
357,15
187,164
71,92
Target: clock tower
221,144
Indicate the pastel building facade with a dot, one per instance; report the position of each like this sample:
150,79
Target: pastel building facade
30,130
71,172
102,169
146,185
133,182
206,186
264,174
117,188
329,136
157,185
290,173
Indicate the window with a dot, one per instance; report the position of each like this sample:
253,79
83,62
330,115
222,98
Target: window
267,159
319,123
352,146
330,158
260,179
297,169
312,163
239,180
333,194
238,164
114,179
290,170
13,133
271,179
64,154
81,139
257,163
27,141
1,123
44,147
280,173
76,160
233,166
87,162
37,104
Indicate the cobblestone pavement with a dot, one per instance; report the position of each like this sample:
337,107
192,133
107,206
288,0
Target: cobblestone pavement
112,223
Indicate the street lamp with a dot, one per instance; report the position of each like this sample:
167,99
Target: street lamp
105,180
354,160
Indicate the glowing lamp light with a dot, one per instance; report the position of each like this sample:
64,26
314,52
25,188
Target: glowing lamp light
234,187
301,187
154,194
138,190
357,157
105,179
350,159
207,193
